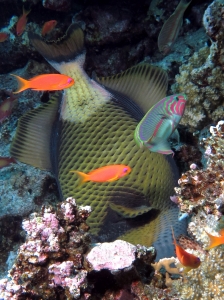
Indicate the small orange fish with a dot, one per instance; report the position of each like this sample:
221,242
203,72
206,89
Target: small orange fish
104,174
3,37
48,27
21,23
6,106
46,82
6,161
188,260
215,240
171,27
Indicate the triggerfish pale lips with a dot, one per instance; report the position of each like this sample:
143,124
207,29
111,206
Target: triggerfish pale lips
159,123
87,128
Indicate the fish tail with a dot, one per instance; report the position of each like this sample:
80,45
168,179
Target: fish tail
214,241
22,83
83,177
69,47
26,12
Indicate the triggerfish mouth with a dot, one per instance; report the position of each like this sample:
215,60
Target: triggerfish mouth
91,125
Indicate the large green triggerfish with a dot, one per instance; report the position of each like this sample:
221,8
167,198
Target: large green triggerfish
159,124
89,126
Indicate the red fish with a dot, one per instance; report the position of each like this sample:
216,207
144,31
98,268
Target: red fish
6,161
3,37
6,106
104,174
48,27
21,23
215,240
188,260
46,82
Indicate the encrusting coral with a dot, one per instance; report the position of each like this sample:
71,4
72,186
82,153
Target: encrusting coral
202,79
204,188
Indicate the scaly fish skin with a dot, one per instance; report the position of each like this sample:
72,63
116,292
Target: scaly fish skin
91,130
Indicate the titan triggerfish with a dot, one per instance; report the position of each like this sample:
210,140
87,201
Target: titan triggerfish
91,125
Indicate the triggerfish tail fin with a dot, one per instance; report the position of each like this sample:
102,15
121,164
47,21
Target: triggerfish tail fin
23,84
144,84
65,49
33,139
214,241
82,176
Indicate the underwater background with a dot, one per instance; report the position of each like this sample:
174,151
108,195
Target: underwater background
45,243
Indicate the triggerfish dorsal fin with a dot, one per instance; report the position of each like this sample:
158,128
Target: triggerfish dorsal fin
143,83
62,50
33,139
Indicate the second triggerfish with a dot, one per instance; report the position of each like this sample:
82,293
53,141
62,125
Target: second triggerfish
46,82
104,174
159,123
188,260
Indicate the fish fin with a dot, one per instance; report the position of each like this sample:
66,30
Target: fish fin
214,241
33,139
162,147
186,269
65,49
129,212
82,176
175,135
141,86
26,12
221,231
23,84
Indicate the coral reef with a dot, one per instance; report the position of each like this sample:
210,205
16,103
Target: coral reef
202,77
204,188
52,260
51,257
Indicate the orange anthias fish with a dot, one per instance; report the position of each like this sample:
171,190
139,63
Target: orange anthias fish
3,37
6,161
21,23
46,82
215,240
48,27
188,260
171,27
104,174
6,106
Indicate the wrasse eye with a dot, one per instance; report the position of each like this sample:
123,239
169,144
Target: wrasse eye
176,98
